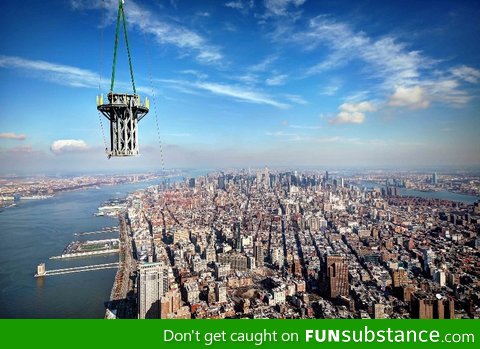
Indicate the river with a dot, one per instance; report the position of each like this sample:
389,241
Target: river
442,194
32,232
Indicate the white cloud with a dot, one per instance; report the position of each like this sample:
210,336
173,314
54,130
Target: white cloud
235,4
21,149
348,118
164,32
446,90
264,64
357,96
280,7
357,107
238,92
412,97
276,80
65,75
467,74
195,73
389,60
295,99
58,73
203,14
332,88
68,145
11,135
248,78
352,113
388,63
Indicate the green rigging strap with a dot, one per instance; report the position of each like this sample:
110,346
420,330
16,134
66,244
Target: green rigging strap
120,10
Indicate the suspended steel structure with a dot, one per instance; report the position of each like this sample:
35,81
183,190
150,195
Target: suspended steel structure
123,110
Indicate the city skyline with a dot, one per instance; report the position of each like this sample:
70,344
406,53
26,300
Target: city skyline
243,244
245,83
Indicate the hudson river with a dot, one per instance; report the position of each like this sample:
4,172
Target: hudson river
33,232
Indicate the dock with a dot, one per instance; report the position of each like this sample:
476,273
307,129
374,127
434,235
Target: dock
89,248
102,231
41,271
85,254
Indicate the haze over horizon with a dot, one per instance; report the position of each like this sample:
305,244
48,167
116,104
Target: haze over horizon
244,84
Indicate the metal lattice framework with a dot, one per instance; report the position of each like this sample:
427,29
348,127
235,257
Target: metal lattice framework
124,112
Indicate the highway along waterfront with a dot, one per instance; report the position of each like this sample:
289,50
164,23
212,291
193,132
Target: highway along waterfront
34,231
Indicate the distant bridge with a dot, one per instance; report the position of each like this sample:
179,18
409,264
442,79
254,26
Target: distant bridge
44,272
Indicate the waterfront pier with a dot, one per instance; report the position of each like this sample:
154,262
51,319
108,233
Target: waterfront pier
41,271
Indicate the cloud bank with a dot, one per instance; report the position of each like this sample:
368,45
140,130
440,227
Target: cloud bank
62,146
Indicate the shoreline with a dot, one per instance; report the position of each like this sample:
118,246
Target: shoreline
118,306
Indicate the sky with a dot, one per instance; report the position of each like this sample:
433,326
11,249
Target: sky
247,83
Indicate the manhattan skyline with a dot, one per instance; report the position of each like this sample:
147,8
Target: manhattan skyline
244,83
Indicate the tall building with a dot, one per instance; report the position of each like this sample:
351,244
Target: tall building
221,270
170,303
220,292
237,236
236,260
434,178
337,276
191,292
440,277
425,306
221,182
400,277
379,311
258,253
428,258
152,284
476,207
210,253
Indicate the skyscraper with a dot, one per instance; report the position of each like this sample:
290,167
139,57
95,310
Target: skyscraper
220,292
210,253
434,178
258,253
237,236
221,182
152,284
337,276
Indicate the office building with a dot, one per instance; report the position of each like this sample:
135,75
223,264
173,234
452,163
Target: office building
152,284
337,276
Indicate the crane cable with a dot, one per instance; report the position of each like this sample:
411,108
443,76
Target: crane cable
121,12
154,99
100,70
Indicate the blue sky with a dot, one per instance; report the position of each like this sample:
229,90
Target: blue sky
244,83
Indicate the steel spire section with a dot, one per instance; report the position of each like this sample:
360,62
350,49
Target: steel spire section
123,110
